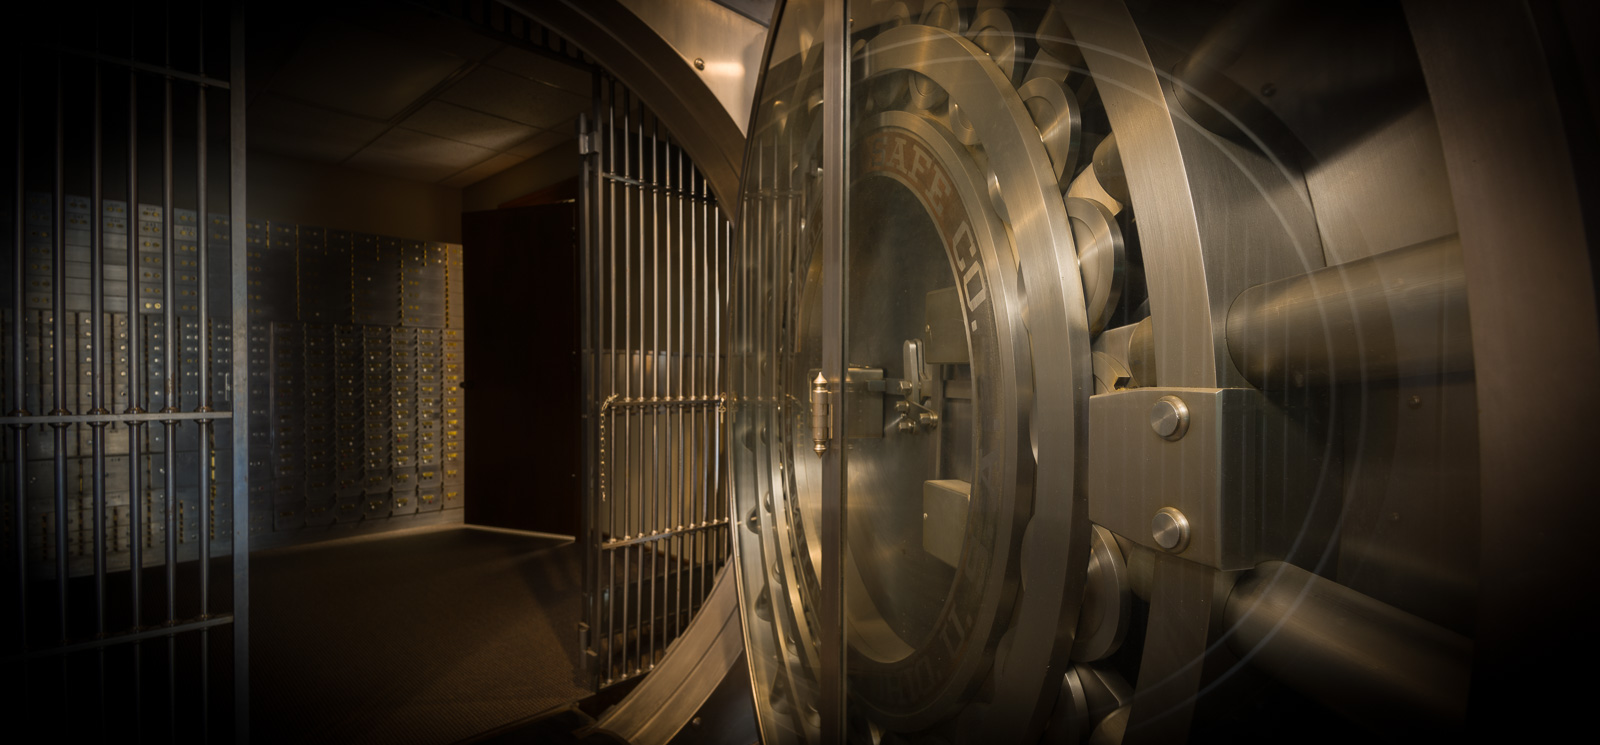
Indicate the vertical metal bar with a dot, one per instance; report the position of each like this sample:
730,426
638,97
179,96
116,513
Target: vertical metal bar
174,338
135,429
58,296
688,450
626,456
626,459
644,355
696,258
661,355
696,578
711,221
831,616
624,628
692,450
662,550
630,310
615,363
241,378
587,225
19,440
719,252
98,349
685,383
97,367
203,498
707,240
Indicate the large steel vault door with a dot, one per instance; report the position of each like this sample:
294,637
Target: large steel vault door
1095,376
655,513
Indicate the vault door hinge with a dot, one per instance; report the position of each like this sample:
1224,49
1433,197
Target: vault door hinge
821,414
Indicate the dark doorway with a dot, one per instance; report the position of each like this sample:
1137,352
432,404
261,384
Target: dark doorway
523,392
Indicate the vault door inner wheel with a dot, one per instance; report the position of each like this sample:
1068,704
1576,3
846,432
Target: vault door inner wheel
965,317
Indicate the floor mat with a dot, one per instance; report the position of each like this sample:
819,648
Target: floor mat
429,637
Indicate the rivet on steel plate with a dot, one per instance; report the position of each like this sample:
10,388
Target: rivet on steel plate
1169,417
699,64
1170,529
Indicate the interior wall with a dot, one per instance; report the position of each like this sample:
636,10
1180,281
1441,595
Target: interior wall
545,170
295,191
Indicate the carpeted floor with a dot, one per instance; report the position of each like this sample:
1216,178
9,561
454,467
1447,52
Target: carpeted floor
429,637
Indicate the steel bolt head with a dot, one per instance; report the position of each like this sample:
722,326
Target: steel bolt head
1169,417
1170,529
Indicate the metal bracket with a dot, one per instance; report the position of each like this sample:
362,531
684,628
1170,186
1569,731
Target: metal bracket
1212,484
919,384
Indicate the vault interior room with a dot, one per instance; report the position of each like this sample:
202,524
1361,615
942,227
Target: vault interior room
799,371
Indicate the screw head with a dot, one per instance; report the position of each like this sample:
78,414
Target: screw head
699,64
1169,417
1170,530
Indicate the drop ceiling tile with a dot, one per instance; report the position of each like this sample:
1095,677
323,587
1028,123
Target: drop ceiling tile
428,30
482,171
494,91
465,125
425,148
544,141
543,69
386,164
362,72
279,125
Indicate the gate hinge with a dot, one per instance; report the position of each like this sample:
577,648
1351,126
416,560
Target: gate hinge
821,414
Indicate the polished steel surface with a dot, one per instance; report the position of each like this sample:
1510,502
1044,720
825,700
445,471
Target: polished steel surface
723,46
1107,607
1242,504
1059,375
1169,417
1535,459
1401,313
1386,669
1170,530
1204,202
1267,369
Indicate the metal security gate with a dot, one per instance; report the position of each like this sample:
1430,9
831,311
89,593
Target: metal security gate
655,514
126,571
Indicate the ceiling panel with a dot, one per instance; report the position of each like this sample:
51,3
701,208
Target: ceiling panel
495,91
425,148
425,29
543,69
361,72
398,167
543,141
279,125
482,171
465,125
